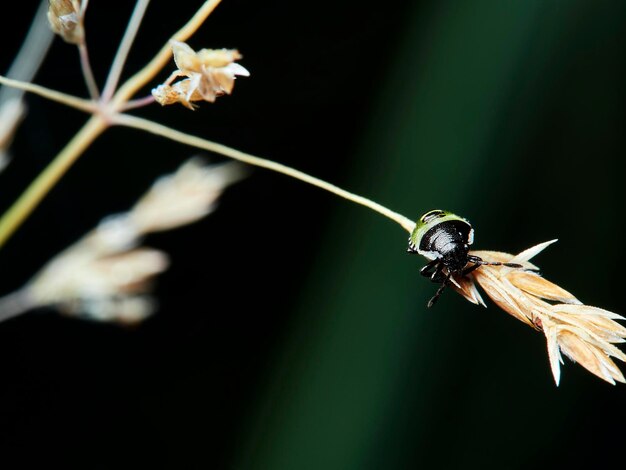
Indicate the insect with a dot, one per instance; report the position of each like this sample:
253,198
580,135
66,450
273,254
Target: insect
445,238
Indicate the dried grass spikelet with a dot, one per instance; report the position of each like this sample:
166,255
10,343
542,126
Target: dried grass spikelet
183,197
106,276
210,73
585,334
179,92
84,283
64,17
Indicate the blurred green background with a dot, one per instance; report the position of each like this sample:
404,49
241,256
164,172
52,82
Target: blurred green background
308,345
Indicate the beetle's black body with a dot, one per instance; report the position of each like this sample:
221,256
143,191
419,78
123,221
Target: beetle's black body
450,240
445,239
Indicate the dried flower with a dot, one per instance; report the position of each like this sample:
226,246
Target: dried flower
584,334
210,73
65,20
106,276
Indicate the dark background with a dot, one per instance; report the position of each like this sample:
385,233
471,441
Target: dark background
293,332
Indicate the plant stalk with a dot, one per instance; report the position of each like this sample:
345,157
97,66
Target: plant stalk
122,52
48,178
164,131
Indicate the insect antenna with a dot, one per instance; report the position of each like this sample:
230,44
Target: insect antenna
480,262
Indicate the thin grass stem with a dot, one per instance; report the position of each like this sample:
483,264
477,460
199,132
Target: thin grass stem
47,179
31,53
122,52
161,130
83,52
138,103
53,95
85,65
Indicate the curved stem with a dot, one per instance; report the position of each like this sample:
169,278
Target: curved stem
158,129
123,49
30,199
159,61
53,95
85,65
83,53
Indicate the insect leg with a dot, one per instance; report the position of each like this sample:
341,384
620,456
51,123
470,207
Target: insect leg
430,268
435,297
434,270
438,276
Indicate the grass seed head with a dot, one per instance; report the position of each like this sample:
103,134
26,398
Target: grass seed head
585,334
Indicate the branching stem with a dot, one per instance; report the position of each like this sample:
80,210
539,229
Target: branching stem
47,179
108,112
